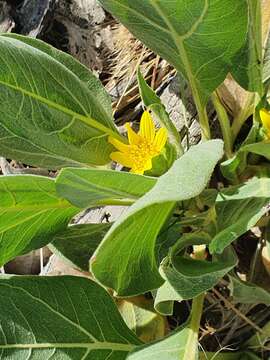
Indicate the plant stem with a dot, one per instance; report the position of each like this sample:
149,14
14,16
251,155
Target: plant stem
196,313
225,125
203,118
194,325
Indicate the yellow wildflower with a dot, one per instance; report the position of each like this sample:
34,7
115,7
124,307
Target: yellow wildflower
265,117
143,146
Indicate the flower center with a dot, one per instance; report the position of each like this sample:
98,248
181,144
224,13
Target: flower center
142,152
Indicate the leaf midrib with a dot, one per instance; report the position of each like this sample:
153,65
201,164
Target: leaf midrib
93,346
87,120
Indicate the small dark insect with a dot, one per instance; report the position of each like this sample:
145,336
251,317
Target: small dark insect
106,216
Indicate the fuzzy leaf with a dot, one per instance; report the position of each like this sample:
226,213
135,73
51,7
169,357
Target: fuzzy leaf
197,36
126,258
54,112
31,213
60,317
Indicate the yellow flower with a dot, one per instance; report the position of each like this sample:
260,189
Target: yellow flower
143,146
265,117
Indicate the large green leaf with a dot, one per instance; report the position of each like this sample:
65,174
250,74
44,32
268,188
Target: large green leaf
238,210
197,36
60,318
85,187
53,112
126,259
78,243
30,214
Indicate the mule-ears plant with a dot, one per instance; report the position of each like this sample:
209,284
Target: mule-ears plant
174,241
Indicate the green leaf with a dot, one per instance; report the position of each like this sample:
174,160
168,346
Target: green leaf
54,112
126,258
60,317
31,213
238,209
187,278
197,38
247,293
88,187
78,243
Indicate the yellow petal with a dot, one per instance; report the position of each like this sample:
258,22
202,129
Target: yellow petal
118,144
121,159
160,139
133,138
265,117
147,126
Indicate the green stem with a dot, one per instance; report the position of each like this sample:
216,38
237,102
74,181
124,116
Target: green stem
194,325
196,313
225,125
203,118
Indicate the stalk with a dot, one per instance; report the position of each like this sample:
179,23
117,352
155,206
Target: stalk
196,314
224,125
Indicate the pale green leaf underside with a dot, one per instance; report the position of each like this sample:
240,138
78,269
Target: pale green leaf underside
85,187
53,112
30,214
174,347
60,318
126,259
197,37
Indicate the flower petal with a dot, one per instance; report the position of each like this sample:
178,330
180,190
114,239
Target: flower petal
118,144
133,138
265,117
122,159
147,126
160,139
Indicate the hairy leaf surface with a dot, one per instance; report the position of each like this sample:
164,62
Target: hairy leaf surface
60,317
196,36
126,259
31,213
54,112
